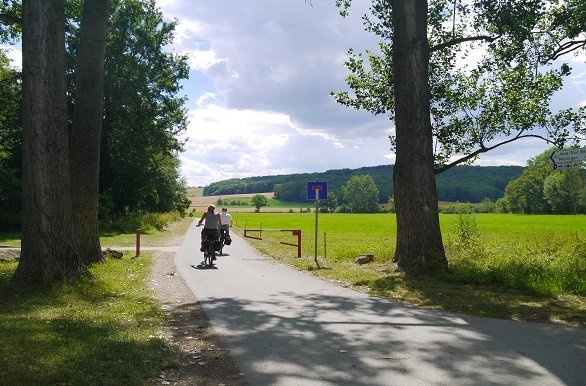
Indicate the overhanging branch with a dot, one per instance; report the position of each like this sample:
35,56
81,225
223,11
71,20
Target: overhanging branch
567,48
453,42
484,149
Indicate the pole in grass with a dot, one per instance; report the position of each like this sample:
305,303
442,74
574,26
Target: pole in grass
316,213
137,242
317,190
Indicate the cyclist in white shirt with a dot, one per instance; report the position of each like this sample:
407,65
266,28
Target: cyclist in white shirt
225,222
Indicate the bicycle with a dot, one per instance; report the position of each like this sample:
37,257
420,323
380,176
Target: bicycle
222,241
209,253
208,247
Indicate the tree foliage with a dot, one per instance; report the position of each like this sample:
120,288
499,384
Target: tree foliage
61,151
564,191
330,204
540,189
144,113
10,144
494,69
10,20
462,183
361,194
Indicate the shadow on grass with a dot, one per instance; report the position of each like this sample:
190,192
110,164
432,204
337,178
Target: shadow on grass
69,351
78,334
484,301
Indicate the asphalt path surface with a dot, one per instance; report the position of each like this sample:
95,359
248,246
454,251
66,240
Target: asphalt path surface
286,327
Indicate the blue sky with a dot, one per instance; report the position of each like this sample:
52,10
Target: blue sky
261,72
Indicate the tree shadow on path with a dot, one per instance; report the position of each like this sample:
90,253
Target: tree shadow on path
324,339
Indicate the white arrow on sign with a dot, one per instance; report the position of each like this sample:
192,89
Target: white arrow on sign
568,156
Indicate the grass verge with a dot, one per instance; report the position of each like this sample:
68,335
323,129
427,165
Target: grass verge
103,329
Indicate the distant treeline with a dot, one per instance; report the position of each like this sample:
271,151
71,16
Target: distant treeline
461,183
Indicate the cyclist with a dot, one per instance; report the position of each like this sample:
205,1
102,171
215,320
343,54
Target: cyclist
210,228
225,224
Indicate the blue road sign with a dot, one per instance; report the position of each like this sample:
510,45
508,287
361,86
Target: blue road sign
317,190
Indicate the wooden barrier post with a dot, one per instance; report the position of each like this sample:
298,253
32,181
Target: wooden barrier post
137,242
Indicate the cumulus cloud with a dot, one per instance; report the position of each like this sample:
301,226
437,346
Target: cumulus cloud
229,143
262,71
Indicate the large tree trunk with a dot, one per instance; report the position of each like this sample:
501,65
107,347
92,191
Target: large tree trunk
419,239
48,253
87,128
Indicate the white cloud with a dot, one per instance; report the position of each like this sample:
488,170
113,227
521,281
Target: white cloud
13,53
262,71
227,143
202,60
208,96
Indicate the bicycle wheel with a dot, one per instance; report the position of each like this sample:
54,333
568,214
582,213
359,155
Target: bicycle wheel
209,257
222,239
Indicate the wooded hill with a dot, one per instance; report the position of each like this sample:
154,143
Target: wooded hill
461,183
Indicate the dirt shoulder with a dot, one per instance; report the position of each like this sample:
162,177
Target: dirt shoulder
204,360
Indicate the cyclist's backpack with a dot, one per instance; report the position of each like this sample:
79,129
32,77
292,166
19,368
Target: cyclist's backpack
227,240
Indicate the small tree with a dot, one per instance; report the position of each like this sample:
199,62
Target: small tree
502,205
330,204
486,206
259,201
540,189
361,194
562,191
391,205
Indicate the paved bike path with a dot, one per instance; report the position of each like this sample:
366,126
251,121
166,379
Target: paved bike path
286,327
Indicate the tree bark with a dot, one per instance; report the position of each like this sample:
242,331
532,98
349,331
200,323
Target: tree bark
48,252
419,239
87,128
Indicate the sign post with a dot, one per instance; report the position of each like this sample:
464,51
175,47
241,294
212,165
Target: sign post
567,158
315,191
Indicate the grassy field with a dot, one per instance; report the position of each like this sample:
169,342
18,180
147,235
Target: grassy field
367,231
103,329
501,265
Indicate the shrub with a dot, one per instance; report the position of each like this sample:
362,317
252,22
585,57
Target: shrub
468,232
